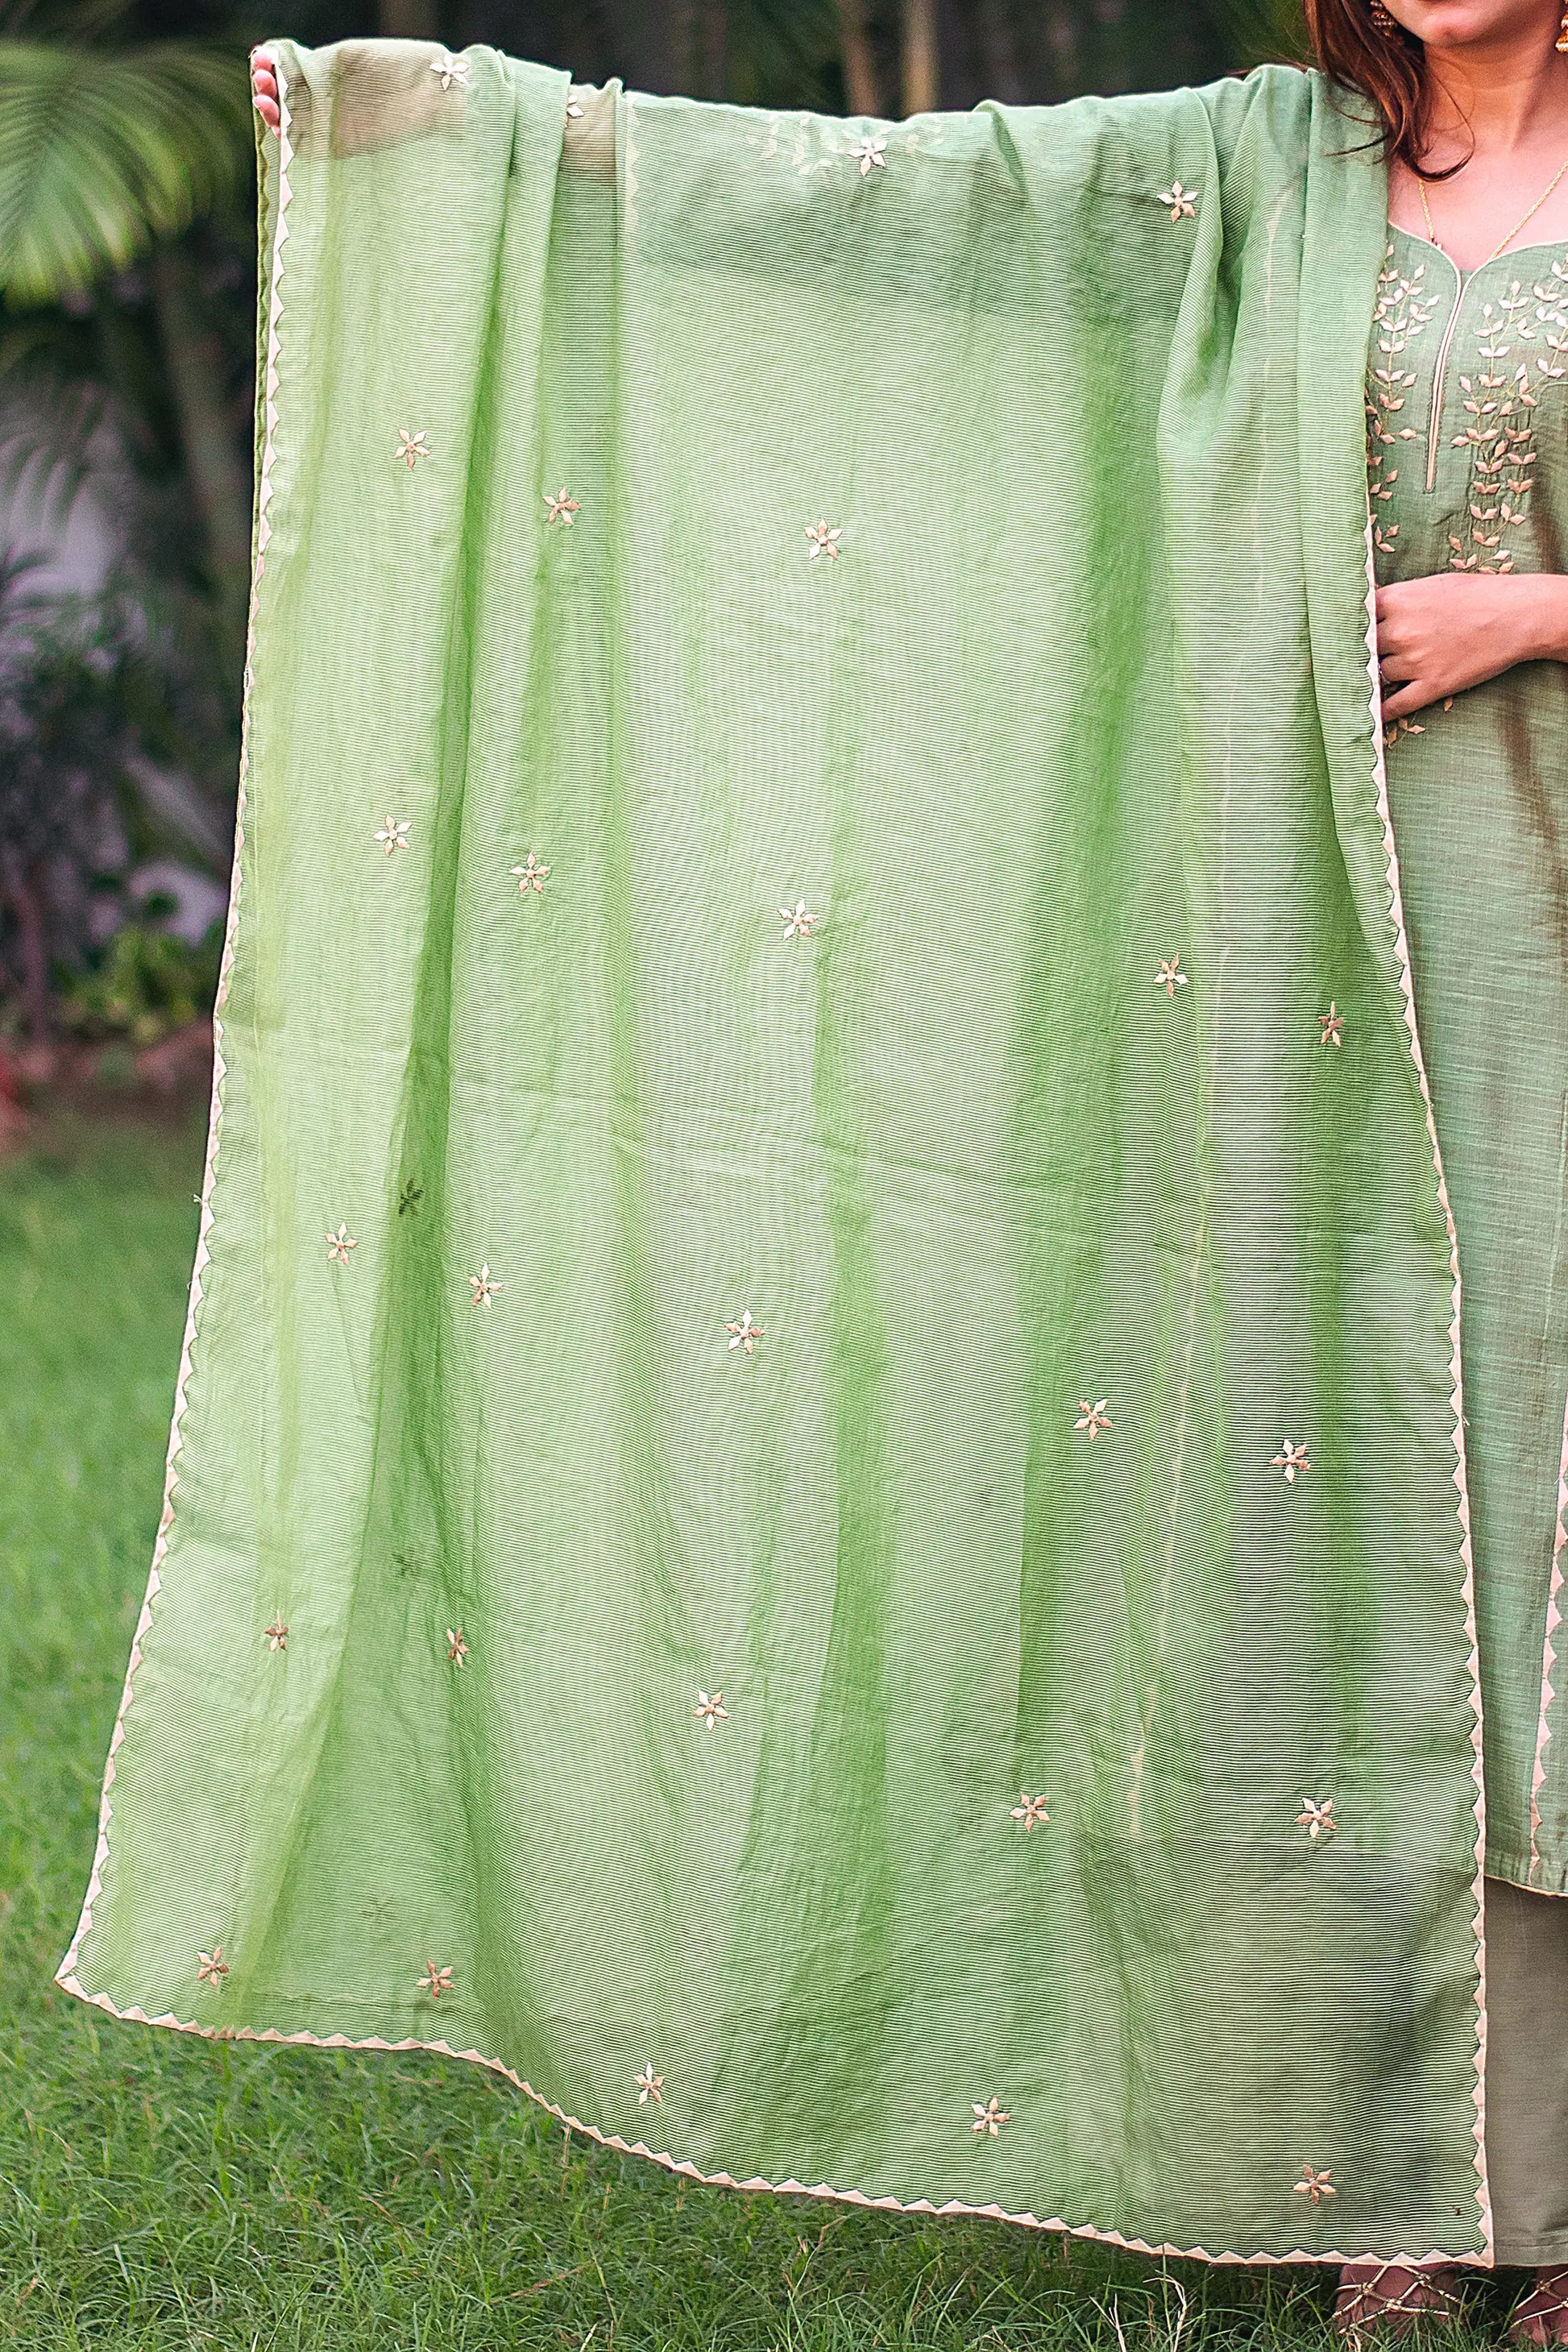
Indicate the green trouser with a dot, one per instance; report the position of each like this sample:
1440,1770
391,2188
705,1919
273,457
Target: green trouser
1527,2072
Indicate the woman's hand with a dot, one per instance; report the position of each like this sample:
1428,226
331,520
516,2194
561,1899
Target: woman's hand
1436,636
264,88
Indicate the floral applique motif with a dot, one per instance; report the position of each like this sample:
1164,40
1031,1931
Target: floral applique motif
1183,201
530,875
1397,728
574,112
869,152
798,921
457,1648
990,2118
276,1636
825,538
435,1980
1030,1812
1333,1025
451,69
744,1333
212,1967
1317,1820
1290,1459
408,1200
393,834
1401,311
485,1287
561,508
1170,976
1315,2185
1500,402
649,2086
1093,1418
339,1245
711,1709
411,447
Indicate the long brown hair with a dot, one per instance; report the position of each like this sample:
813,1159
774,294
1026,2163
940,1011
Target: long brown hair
1387,69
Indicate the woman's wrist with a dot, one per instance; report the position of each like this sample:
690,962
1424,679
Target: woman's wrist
1545,626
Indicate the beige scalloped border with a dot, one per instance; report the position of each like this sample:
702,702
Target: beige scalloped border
1461,1480
66,1974
1548,1658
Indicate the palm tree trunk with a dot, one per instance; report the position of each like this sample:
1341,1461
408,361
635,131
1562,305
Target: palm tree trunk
921,74
859,69
219,475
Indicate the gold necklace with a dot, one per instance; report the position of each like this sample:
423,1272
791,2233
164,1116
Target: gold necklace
1497,250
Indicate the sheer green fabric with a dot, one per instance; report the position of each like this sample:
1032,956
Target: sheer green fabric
835,1536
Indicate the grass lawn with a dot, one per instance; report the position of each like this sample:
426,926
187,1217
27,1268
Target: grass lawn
158,2192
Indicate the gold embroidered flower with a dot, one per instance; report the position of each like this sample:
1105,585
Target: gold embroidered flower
649,2086
1316,2185
393,834
561,508
713,1710
870,151
1289,1458
1184,202
451,69
744,1333
531,874
1031,1810
825,538
574,110
1332,1024
1093,1417
1317,1820
457,1648
411,447
212,1967
989,2117
435,1980
798,921
485,1287
1170,976
339,1245
276,1636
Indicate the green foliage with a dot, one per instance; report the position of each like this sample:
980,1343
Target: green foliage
102,150
148,985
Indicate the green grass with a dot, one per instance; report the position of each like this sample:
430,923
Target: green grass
157,2192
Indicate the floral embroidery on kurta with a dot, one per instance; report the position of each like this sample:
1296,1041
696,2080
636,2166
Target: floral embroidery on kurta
989,2117
530,876
1501,403
276,1636
1030,1810
1289,1458
1093,1418
825,538
451,69
1332,1024
212,1967
1315,2185
798,921
649,2086
713,1709
1402,309
457,1648
1170,976
561,508
868,153
393,834
411,447
1183,201
435,1980
744,1333
339,1245
485,1287
1317,1820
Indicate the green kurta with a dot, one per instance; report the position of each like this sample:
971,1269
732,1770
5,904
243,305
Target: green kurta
816,1501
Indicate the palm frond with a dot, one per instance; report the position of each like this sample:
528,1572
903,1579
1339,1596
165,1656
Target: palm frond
101,151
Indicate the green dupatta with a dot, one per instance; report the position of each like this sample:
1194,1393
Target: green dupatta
816,1502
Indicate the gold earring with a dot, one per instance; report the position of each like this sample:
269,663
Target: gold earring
1382,21
1563,31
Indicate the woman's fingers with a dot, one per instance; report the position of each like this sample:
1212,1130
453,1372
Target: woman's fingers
264,89
1416,696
